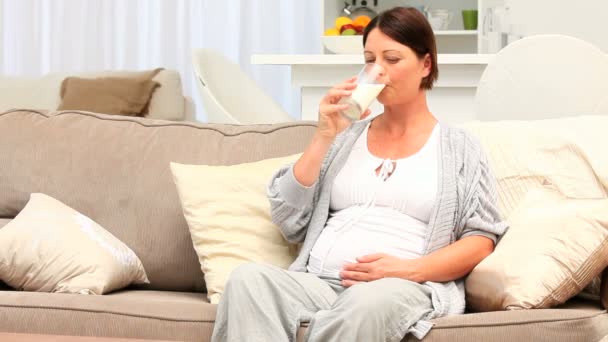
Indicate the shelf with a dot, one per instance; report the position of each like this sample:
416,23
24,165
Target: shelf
452,40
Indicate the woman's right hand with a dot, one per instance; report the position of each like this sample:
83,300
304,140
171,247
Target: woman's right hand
331,120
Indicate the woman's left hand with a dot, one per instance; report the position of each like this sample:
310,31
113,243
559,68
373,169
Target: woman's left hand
377,266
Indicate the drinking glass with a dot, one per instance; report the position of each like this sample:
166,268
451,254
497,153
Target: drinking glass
370,82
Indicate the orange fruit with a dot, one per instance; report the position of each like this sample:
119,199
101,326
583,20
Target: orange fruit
341,21
362,20
332,32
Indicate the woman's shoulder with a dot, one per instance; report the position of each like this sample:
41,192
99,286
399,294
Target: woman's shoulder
460,139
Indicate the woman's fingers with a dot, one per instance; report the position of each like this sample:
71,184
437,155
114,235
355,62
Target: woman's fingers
349,283
332,108
336,92
340,90
353,275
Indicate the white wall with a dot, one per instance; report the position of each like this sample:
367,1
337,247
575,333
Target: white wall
584,19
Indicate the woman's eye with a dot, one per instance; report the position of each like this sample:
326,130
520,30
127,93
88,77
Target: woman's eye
392,60
369,61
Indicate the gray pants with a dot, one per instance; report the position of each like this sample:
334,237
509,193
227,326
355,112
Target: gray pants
266,303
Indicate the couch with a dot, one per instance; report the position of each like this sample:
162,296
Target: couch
43,93
116,171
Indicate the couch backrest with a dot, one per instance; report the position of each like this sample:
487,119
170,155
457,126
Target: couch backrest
116,171
43,93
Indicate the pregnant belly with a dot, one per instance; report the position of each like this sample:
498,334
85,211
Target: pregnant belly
379,231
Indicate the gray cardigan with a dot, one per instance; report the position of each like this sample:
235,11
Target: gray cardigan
465,204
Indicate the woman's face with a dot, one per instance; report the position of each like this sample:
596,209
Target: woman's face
404,69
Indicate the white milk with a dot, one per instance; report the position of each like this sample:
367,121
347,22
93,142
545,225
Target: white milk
360,99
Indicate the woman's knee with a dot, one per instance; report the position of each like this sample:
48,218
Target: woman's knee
248,274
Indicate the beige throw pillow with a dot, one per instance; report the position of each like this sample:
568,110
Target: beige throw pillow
553,249
128,96
229,217
50,247
561,153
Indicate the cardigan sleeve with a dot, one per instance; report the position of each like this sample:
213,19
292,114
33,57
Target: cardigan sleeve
481,215
291,204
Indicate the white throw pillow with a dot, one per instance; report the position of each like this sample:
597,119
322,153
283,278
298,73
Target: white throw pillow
229,218
50,247
564,153
554,247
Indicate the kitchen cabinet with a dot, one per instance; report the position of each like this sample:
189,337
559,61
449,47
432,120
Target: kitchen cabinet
451,100
454,39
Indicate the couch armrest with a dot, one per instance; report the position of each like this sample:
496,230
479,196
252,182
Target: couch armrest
604,289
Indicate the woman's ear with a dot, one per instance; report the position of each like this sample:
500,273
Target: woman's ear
427,65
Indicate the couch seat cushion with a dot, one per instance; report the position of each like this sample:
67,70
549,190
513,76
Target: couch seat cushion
188,317
576,320
129,314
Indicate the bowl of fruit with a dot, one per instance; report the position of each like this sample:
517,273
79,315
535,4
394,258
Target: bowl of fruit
346,36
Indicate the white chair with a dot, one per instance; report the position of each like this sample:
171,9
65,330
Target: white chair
542,77
229,95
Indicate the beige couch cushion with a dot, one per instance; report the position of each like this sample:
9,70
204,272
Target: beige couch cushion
229,218
154,315
28,92
50,247
188,317
119,175
43,93
554,247
575,321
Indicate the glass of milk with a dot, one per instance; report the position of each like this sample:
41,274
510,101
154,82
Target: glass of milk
370,82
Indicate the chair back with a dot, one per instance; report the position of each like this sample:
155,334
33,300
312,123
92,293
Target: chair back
542,77
229,95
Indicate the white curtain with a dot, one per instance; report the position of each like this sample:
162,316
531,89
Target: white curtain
40,36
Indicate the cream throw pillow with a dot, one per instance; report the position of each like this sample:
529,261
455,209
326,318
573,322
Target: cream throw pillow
553,249
564,153
561,153
229,218
50,247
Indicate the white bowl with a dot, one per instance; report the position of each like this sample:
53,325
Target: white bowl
343,44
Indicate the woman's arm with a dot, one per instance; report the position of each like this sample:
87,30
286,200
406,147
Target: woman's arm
449,263
292,188
307,168
454,261
291,191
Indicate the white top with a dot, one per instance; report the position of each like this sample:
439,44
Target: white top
378,206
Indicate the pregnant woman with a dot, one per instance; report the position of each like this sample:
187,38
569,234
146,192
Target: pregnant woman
391,212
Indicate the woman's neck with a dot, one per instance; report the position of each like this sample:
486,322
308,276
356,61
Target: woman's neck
397,120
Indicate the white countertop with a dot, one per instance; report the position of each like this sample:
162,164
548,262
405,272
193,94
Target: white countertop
331,59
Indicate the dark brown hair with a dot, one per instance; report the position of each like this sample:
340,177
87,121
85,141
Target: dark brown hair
409,27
